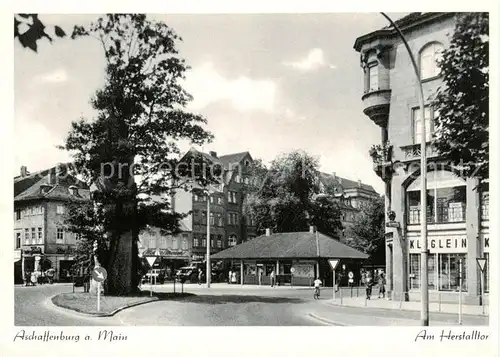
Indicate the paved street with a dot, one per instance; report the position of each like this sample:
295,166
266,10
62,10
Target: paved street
222,305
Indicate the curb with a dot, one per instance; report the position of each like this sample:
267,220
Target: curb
389,309
99,314
326,321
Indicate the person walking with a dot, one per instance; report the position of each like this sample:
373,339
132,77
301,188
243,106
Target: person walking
200,276
230,276
272,276
368,285
381,285
233,278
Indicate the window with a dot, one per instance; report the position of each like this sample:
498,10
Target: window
232,241
487,273
232,218
220,220
231,197
195,242
152,242
33,236
485,201
184,244
163,243
219,243
417,124
60,209
60,235
446,198
196,197
18,214
18,239
175,244
212,200
212,219
40,235
204,217
429,57
373,77
219,200
415,273
237,178
449,271
26,236
203,242
78,236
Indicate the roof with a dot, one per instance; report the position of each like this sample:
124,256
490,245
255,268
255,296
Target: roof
32,189
405,23
233,158
346,184
291,245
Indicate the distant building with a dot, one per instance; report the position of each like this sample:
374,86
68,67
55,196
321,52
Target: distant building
41,240
228,225
457,207
352,197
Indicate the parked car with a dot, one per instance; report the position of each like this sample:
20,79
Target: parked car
189,273
158,276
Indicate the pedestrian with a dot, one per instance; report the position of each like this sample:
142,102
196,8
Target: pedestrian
260,276
233,278
230,276
272,279
368,285
200,276
381,284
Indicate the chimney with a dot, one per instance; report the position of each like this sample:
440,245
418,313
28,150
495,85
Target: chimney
334,175
359,183
268,232
24,171
312,229
213,153
73,190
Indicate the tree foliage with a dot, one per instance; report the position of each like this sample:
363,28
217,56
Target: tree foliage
28,29
141,116
463,122
285,200
368,231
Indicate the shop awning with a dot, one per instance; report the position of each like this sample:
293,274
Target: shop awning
165,253
293,245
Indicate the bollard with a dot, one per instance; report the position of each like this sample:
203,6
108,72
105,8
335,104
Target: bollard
439,301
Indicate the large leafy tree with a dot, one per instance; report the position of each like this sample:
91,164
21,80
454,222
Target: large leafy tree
368,231
285,200
141,116
463,122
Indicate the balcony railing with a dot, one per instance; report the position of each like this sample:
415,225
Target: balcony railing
444,215
412,152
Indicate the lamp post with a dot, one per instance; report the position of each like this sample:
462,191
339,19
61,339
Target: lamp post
209,267
424,312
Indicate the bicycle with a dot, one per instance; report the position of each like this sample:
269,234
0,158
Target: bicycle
316,293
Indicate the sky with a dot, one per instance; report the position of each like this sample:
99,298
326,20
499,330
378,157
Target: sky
267,84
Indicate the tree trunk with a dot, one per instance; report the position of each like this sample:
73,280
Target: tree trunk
120,276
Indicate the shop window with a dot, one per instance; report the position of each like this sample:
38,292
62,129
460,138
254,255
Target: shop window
163,243
446,199
415,272
487,273
449,272
429,58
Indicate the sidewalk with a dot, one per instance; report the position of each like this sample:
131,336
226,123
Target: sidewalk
227,286
374,302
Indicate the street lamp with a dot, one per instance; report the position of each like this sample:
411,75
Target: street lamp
424,312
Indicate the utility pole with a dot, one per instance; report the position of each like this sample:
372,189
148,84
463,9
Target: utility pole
424,312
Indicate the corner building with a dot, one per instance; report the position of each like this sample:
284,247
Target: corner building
457,206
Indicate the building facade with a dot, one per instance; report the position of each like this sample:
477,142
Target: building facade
352,197
41,240
457,206
221,208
